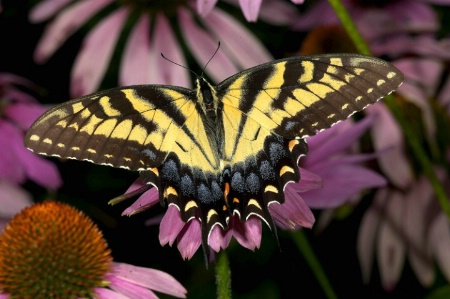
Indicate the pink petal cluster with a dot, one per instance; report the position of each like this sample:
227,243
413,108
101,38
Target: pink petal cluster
141,61
330,175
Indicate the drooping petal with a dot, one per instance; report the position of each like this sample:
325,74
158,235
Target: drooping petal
150,278
293,213
97,49
390,246
439,242
24,114
145,201
219,239
237,40
341,181
46,9
190,239
65,24
419,255
11,167
248,233
204,7
286,13
171,225
202,46
308,181
387,135
250,9
13,199
105,293
367,234
129,289
135,62
162,71
336,139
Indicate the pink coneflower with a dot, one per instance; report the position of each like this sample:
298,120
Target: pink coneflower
152,33
51,250
330,175
405,224
377,19
18,110
252,8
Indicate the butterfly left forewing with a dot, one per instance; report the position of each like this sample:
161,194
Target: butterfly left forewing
155,129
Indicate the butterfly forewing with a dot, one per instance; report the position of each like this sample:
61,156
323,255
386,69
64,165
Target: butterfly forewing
297,97
134,127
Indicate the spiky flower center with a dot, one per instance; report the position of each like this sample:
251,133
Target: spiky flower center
51,250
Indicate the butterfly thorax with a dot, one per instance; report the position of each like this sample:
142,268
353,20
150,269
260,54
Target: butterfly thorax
207,98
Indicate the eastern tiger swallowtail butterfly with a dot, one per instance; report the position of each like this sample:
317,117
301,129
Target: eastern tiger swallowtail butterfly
217,151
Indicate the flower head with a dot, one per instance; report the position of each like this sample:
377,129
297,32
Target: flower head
141,61
51,250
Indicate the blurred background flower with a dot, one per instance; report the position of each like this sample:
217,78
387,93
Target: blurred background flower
377,215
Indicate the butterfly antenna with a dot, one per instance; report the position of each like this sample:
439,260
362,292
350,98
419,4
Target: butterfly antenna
180,65
214,54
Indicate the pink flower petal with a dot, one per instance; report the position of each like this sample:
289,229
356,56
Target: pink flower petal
341,181
390,246
439,240
388,135
336,139
202,46
97,49
160,70
65,24
308,181
131,290
150,278
104,293
24,114
415,230
204,7
250,9
13,199
238,40
145,201
170,226
46,9
367,234
248,233
190,239
286,14
136,58
293,213
219,239
11,166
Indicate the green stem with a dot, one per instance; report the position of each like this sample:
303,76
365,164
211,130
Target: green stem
313,262
223,276
413,142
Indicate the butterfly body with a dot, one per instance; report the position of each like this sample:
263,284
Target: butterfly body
217,151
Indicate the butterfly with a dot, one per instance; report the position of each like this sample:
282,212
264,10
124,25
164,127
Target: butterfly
217,151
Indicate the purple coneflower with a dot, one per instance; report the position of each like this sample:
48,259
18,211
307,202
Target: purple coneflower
51,250
151,33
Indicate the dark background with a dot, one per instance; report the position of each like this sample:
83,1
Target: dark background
270,272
